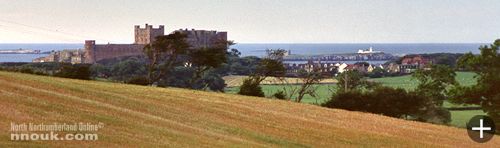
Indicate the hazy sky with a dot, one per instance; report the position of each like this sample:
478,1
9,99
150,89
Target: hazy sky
255,21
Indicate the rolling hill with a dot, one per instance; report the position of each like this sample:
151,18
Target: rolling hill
139,116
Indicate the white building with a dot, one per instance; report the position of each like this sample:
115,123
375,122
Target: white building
341,67
368,51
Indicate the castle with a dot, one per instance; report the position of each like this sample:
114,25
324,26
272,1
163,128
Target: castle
93,52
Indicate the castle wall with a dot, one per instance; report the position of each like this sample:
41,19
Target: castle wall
110,51
148,34
95,52
203,38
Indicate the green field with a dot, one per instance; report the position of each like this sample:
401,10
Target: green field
460,118
406,82
142,116
323,92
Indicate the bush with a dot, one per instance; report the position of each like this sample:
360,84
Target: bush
138,80
26,70
213,81
40,73
76,71
382,100
251,87
280,95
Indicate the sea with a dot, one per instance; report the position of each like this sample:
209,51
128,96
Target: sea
259,50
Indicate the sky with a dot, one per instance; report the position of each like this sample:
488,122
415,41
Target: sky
255,21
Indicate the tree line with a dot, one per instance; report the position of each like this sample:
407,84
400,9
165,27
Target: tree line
425,103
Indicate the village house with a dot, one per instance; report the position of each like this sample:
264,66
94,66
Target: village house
392,68
341,67
370,68
411,63
327,69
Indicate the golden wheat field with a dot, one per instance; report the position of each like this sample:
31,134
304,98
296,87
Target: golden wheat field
140,116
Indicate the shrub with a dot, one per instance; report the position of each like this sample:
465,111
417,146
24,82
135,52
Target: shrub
26,70
382,100
280,95
77,71
251,87
138,80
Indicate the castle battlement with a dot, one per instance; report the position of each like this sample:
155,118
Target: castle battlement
147,26
147,34
93,52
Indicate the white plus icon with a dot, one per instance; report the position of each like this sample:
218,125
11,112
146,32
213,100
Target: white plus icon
481,128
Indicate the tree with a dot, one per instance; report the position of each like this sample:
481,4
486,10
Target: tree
380,100
213,81
74,71
486,92
432,85
352,80
251,87
423,104
306,87
100,71
125,70
163,54
204,59
138,80
377,73
272,65
181,77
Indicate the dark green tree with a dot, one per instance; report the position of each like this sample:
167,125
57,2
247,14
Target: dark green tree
486,92
271,66
377,73
433,86
380,100
162,55
251,87
100,71
127,69
204,59
74,71
352,80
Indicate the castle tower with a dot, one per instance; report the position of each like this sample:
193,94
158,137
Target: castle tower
89,51
148,34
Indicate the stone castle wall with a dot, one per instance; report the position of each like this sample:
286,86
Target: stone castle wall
93,52
203,38
108,51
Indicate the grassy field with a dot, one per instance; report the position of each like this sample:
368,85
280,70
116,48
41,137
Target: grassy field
234,81
140,116
324,90
405,82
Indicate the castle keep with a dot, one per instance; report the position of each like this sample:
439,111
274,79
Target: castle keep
147,35
93,52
